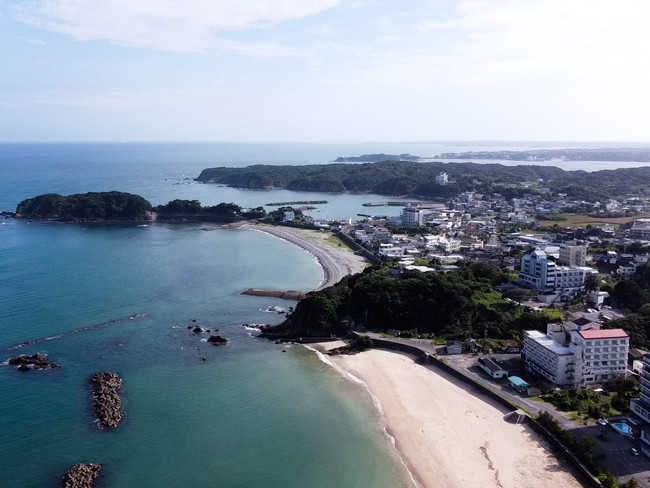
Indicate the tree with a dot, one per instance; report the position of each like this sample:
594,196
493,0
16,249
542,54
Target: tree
519,294
592,282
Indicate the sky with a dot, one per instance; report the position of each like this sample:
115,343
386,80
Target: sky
324,70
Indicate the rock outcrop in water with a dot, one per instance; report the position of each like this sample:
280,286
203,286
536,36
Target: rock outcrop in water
36,361
216,340
107,387
82,476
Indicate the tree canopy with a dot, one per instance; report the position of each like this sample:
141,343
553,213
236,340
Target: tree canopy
111,205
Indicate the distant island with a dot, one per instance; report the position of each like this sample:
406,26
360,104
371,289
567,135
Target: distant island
375,158
436,180
623,154
112,205
117,206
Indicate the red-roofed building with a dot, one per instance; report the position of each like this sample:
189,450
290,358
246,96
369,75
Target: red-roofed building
577,357
600,354
603,334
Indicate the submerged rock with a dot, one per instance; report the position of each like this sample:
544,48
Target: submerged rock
35,361
82,476
107,387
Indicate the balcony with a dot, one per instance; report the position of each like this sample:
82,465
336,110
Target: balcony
641,409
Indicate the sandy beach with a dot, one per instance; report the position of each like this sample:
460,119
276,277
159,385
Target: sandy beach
336,261
448,437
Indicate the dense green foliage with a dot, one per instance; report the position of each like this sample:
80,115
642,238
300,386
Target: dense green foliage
593,404
418,179
111,205
455,305
194,207
633,293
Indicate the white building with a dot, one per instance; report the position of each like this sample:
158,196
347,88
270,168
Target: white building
571,255
442,178
412,217
540,272
548,357
567,356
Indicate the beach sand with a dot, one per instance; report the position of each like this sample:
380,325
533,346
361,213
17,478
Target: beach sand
447,436
336,261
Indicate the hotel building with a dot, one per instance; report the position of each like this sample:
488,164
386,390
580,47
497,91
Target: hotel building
567,356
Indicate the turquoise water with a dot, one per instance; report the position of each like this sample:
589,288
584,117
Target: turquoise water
247,415
622,428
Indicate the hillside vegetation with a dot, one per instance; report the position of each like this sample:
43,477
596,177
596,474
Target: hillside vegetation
454,305
417,179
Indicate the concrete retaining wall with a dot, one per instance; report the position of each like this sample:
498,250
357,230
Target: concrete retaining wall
426,358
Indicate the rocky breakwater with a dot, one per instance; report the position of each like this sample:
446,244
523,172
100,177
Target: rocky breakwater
107,387
82,476
34,362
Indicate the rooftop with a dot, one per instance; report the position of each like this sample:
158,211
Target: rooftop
548,343
603,334
517,381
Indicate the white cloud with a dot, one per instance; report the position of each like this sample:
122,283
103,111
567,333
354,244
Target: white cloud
168,25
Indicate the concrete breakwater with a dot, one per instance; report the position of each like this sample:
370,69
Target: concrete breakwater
287,295
82,476
300,202
107,387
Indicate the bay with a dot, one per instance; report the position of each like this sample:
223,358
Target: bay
121,297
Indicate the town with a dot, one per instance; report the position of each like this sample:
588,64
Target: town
569,270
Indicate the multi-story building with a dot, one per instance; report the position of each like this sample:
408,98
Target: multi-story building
412,216
641,406
548,357
567,356
538,271
572,255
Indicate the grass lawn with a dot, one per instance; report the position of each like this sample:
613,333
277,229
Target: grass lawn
584,220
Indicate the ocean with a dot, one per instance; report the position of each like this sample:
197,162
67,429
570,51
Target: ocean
121,298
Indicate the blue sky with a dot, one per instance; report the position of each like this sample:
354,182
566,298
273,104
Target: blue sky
324,70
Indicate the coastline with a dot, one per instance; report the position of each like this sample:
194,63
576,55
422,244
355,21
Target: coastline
447,436
336,262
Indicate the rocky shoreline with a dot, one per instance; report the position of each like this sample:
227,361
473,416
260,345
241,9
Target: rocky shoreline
82,476
107,387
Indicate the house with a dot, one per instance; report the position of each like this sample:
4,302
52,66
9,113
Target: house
491,367
518,384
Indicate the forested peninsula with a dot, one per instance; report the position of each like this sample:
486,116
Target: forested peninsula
418,179
465,302
112,205
117,206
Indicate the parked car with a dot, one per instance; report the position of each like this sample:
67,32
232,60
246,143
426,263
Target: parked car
634,451
602,421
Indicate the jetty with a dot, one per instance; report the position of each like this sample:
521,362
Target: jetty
286,295
300,202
